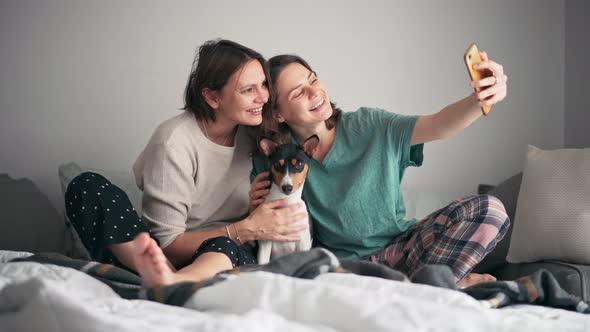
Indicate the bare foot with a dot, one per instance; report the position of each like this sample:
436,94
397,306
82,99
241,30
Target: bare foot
151,263
475,278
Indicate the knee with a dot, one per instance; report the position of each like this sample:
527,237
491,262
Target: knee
84,181
222,241
222,245
495,207
486,207
493,211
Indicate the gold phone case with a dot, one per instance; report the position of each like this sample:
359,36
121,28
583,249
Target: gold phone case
472,57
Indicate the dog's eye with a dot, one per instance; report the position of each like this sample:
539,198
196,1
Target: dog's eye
278,165
299,164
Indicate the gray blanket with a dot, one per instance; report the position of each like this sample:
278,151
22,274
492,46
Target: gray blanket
540,288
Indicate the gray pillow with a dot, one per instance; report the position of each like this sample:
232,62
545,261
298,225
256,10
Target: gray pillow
507,192
124,180
28,220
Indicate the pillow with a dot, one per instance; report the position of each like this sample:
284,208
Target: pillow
125,181
553,210
29,220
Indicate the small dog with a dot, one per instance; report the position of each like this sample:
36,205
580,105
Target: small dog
289,164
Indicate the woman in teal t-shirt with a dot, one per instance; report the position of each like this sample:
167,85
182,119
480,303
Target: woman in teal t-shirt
352,189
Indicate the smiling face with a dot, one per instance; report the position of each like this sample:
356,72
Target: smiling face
302,98
241,99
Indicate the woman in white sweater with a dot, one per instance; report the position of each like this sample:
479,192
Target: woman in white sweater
194,173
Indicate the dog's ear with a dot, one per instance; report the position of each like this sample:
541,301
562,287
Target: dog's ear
267,146
311,144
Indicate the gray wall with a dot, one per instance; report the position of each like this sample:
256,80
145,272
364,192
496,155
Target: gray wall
89,83
577,73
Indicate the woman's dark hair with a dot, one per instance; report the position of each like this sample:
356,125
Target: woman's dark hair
215,62
271,128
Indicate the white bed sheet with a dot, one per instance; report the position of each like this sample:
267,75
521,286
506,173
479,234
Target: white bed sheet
37,297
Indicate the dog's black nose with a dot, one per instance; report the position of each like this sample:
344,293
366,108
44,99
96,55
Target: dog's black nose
287,189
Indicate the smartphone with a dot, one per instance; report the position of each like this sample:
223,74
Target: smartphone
472,57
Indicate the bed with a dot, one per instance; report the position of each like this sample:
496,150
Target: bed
46,297
41,297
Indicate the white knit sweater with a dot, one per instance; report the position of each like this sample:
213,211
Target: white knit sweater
190,183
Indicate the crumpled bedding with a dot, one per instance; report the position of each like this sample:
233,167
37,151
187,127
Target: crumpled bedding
35,297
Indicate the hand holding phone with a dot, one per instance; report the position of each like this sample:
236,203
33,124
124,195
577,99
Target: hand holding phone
471,58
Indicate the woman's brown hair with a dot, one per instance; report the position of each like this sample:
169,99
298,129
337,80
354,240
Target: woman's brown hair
212,67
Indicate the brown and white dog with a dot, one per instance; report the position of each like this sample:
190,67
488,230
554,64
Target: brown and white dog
289,164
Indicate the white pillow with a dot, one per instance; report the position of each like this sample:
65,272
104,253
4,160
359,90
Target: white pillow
552,218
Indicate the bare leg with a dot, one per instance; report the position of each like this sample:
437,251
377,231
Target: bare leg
475,278
151,263
125,253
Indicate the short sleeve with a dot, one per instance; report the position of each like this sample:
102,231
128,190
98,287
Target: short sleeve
168,190
399,130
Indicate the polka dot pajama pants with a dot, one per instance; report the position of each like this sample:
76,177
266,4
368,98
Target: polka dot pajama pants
102,215
238,255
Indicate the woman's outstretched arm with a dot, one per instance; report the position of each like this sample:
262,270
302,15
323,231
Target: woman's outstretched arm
459,115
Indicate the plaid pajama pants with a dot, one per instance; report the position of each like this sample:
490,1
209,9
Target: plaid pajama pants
459,235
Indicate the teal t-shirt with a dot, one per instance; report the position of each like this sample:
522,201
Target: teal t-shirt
354,195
